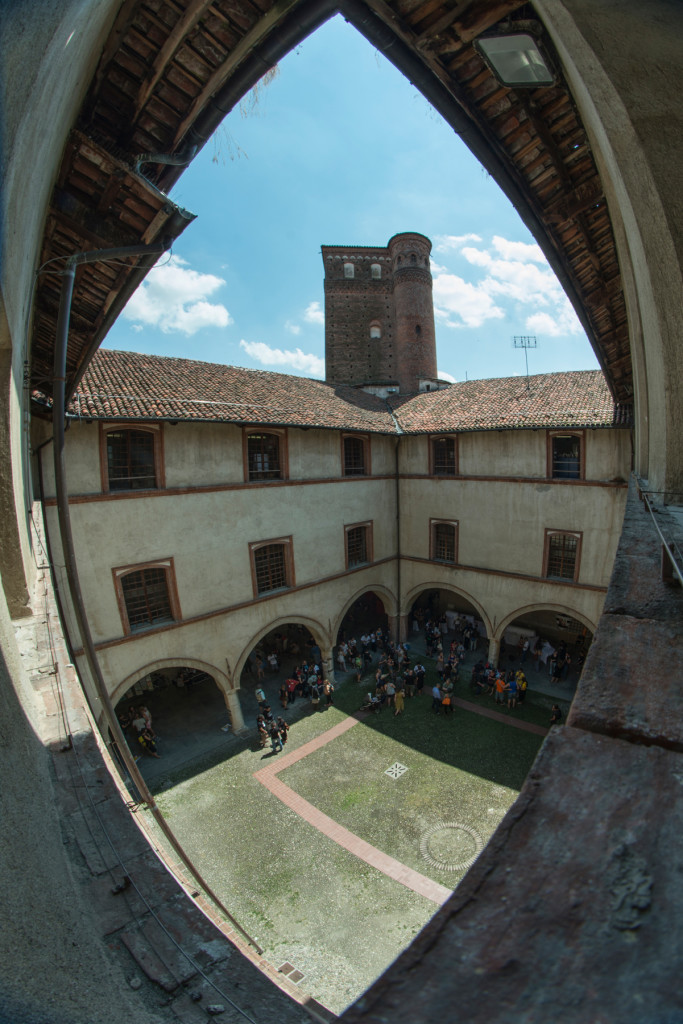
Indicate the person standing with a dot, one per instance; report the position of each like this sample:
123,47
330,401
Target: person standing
420,672
328,690
436,698
399,703
275,741
283,729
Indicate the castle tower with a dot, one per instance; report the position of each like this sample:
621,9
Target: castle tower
379,316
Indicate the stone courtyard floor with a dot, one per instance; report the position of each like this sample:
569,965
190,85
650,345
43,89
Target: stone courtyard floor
334,853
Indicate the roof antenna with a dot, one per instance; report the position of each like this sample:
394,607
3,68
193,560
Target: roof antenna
525,341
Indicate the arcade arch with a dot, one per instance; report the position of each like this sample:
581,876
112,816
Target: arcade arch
440,598
369,608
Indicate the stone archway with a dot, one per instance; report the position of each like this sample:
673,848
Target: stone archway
412,596
383,593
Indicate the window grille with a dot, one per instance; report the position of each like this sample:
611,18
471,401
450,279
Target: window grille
562,550
566,457
354,456
357,546
145,593
264,457
270,565
444,542
444,456
130,460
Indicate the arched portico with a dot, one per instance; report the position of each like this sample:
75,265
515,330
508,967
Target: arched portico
383,593
220,678
531,608
318,632
413,595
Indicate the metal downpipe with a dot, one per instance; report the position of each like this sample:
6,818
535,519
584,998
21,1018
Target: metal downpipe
66,534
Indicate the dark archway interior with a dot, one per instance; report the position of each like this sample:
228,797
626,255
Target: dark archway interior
366,614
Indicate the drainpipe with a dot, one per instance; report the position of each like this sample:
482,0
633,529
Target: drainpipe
66,534
397,496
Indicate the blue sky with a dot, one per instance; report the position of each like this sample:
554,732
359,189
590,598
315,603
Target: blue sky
338,149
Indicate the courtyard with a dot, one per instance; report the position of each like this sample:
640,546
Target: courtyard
334,853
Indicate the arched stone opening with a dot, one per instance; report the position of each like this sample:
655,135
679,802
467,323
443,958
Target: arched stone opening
367,611
550,642
438,603
285,650
187,705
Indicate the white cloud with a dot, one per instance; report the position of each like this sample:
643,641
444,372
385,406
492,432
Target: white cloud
305,362
314,314
442,375
469,302
447,243
513,271
173,298
292,328
518,250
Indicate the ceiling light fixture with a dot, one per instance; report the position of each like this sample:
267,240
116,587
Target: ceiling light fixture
516,60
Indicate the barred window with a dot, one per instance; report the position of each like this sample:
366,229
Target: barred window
263,456
443,456
271,568
354,456
562,551
443,542
357,546
566,457
146,596
130,460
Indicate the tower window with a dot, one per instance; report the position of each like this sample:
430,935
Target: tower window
375,330
349,270
418,331
375,271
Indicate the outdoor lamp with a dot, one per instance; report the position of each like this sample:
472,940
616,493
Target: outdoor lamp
515,60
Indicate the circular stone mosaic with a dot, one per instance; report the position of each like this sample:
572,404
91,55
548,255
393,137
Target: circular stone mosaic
451,846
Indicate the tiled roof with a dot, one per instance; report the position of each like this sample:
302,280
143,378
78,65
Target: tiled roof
578,398
129,386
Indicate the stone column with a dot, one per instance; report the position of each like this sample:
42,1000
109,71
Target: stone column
394,627
494,652
232,703
328,664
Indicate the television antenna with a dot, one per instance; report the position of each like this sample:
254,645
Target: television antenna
525,341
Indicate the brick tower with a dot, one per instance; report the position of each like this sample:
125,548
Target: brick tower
379,316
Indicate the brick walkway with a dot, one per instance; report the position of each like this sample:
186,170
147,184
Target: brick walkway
358,847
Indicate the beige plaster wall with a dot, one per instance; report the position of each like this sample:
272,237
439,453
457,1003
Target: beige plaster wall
502,523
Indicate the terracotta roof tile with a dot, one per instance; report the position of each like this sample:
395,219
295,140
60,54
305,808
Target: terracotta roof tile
126,385
579,398
129,386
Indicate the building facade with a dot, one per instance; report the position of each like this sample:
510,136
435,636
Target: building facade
198,533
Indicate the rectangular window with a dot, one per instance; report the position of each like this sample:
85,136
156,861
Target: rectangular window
565,456
562,555
444,541
131,458
272,565
358,539
147,595
265,454
443,454
355,455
